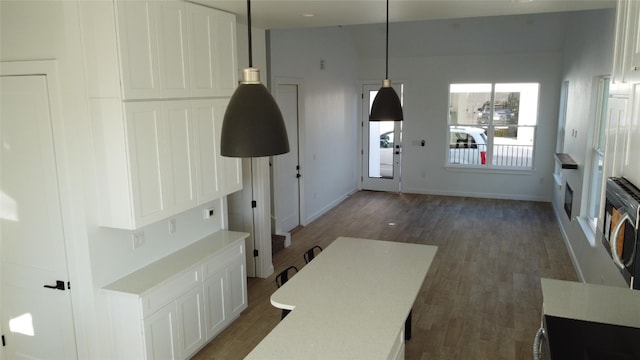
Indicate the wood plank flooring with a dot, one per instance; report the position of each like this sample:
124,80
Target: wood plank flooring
482,296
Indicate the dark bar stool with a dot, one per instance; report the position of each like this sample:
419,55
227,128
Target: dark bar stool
311,253
281,279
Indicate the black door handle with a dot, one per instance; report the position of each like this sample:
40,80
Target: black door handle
59,285
298,176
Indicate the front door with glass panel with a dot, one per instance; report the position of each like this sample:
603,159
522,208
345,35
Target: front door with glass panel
382,146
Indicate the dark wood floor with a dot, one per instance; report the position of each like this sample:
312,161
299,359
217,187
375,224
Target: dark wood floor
482,296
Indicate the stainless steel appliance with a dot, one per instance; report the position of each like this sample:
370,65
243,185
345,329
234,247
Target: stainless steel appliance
622,213
588,322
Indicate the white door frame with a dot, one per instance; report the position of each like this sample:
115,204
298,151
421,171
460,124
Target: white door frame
299,82
49,68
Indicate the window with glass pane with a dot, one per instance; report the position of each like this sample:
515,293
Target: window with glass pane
597,153
492,125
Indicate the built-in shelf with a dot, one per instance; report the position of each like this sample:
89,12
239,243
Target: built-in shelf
566,161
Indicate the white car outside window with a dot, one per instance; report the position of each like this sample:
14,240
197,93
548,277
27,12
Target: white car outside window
467,145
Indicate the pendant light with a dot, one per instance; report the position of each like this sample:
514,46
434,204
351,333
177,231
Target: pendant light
386,105
252,125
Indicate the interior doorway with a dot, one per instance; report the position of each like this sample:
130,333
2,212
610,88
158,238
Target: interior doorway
35,299
382,146
287,171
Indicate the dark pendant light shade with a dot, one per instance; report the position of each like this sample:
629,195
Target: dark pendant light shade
386,105
252,125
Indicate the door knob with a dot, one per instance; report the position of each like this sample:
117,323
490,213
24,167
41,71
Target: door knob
59,285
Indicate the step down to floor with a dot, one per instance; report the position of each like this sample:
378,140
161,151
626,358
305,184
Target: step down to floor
277,243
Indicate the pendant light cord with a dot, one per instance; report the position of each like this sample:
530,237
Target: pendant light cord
249,30
386,71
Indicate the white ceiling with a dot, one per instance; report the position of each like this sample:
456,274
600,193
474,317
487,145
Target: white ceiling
277,14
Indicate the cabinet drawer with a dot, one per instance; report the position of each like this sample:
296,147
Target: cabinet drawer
170,290
213,264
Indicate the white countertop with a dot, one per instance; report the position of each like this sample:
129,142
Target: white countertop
350,302
590,302
142,280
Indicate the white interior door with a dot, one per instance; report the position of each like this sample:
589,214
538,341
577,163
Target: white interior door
37,322
286,171
382,147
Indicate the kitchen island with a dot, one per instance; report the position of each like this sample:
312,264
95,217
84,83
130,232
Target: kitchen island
350,302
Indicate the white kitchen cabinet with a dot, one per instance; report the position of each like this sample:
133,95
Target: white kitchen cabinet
208,169
160,156
172,307
633,42
138,45
225,289
215,312
617,75
236,272
144,140
216,175
144,161
160,334
212,51
155,159
626,62
179,155
190,311
231,176
166,49
153,47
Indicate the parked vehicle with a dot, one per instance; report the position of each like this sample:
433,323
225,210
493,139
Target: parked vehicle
503,114
386,154
467,145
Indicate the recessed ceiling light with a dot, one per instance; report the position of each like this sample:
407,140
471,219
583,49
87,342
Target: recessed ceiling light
308,15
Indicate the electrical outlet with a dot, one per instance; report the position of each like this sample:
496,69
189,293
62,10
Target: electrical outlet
208,213
138,239
172,226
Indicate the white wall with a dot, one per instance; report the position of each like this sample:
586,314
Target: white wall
428,56
588,54
329,158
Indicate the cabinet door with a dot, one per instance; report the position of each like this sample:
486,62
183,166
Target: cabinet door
178,161
201,50
617,75
160,334
136,22
633,46
144,131
237,286
212,49
230,172
191,329
224,55
215,314
207,150
171,22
